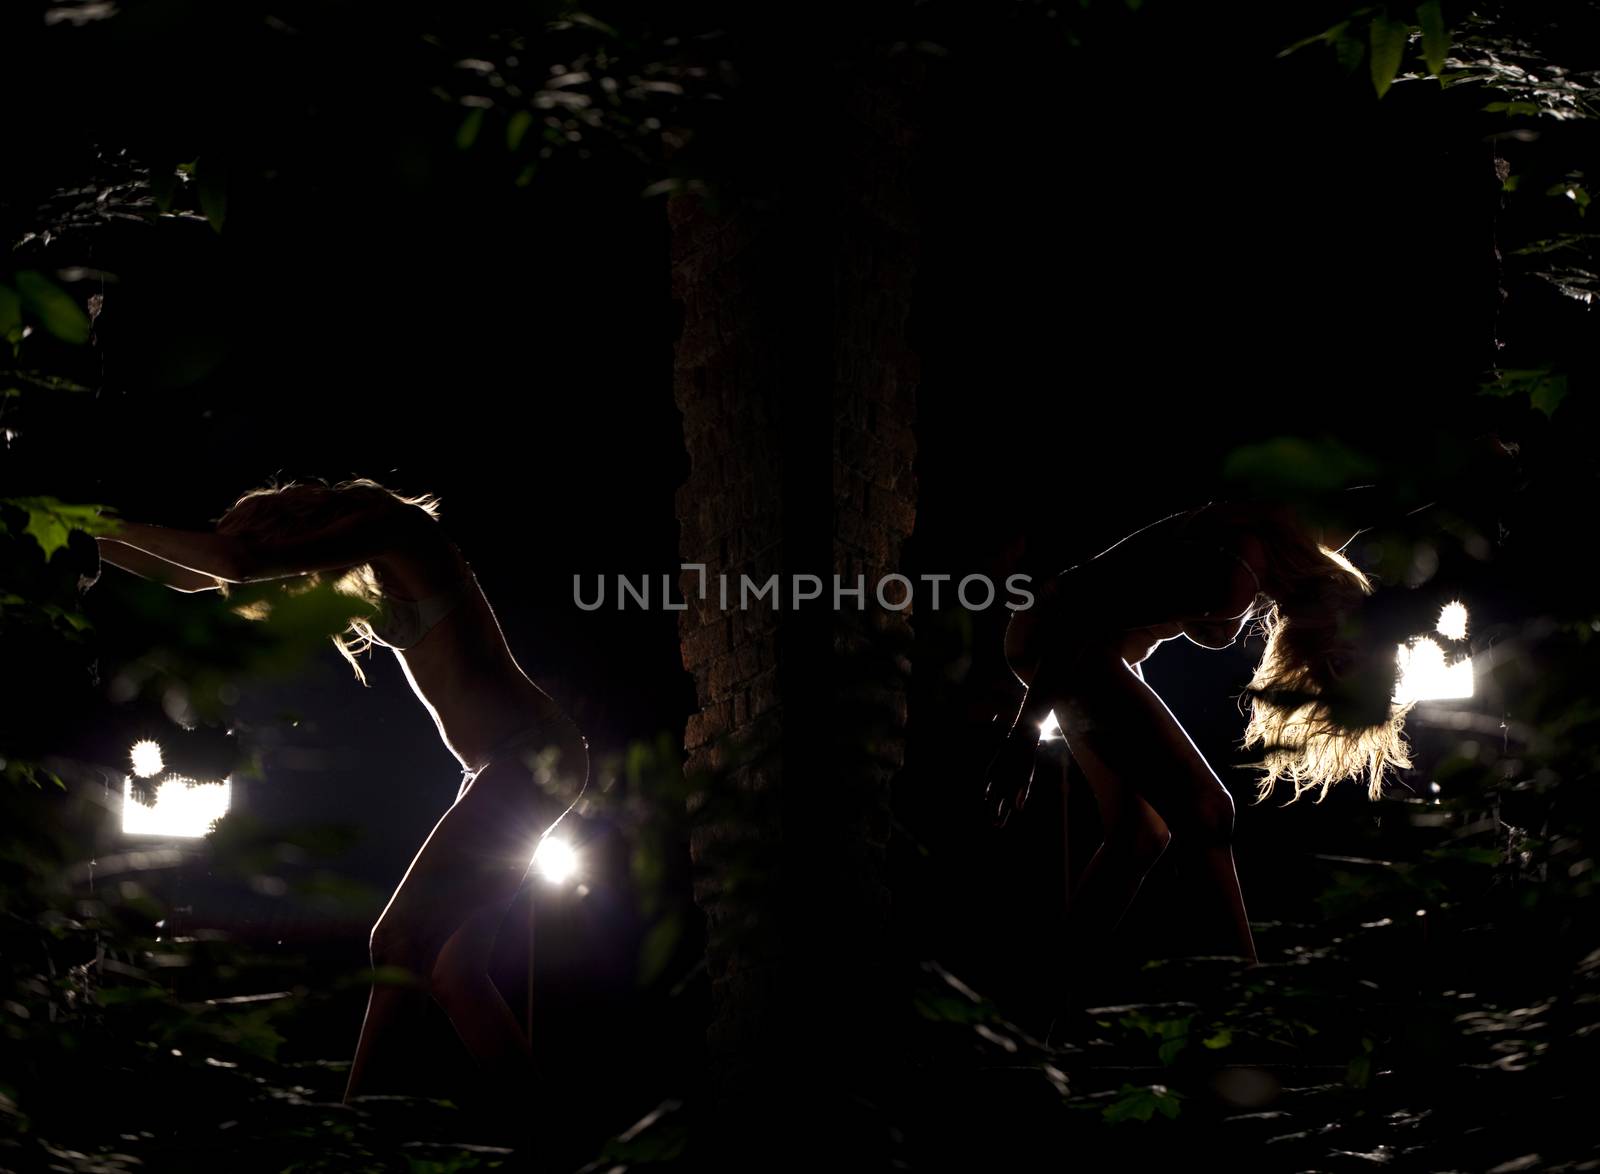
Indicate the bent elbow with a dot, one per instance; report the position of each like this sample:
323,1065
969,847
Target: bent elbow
197,585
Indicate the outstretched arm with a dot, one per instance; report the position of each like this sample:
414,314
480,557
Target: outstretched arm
148,566
358,537
197,552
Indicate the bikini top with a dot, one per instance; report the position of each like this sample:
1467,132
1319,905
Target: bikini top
402,623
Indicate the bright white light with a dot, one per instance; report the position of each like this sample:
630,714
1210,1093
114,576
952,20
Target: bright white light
184,808
1424,675
1453,622
1050,729
146,757
555,860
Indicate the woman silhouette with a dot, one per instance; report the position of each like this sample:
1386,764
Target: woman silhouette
1320,697
524,762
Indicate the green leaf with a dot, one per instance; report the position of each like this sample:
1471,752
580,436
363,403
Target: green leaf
1435,37
163,183
1468,855
10,310
252,1033
1349,52
1330,36
1548,394
211,177
656,952
393,976
1544,388
1222,1039
1135,1103
1512,108
594,23
50,522
45,381
47,531
75,620
1388,40
1511,382
948,1007
53,306
1290,463
467,132
517,127
20,773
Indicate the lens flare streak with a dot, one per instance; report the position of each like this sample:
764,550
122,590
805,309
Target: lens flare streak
555,860
146,756
1453,622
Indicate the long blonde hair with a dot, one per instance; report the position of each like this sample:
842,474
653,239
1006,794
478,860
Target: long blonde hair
1321,699
291,508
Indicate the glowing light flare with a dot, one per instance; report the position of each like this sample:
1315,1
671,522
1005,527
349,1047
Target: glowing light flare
146,756
1050,728
184,808
1425,676
555,860
1453,621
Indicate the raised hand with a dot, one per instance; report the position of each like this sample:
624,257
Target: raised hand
1010,774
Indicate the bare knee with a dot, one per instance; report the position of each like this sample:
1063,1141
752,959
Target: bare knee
1142,840
459,968
394,948
446,972
1150,841
1207,820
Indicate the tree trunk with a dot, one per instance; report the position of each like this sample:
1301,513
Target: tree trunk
802,708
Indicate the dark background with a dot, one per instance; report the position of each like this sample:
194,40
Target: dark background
1136,259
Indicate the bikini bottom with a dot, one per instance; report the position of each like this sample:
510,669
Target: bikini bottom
553,750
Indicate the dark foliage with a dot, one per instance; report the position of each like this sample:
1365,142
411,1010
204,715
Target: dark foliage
1428,993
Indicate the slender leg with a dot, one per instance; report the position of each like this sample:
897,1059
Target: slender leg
388,1007
1122,731
442,921
477,1010
1134,839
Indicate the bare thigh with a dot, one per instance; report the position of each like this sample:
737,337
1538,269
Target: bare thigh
1132,748
472,863
1124,813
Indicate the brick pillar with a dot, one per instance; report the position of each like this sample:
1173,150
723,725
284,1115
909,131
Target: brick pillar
788,296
